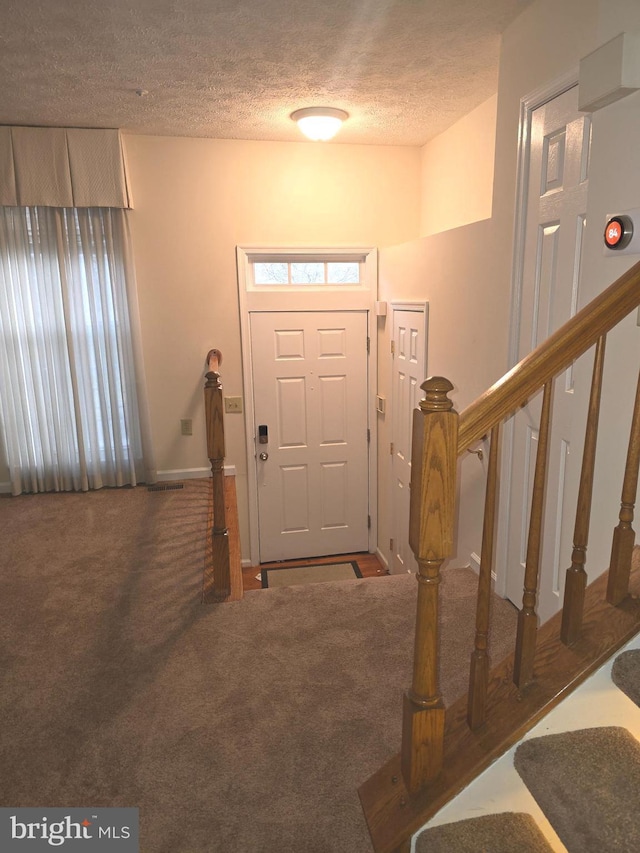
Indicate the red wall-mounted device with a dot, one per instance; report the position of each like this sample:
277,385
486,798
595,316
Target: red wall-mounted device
620,236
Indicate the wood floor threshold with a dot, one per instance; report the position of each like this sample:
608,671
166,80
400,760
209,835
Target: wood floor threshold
393,815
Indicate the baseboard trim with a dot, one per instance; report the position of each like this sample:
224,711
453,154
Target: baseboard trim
246,564
164,476
192,473
382,558
474,563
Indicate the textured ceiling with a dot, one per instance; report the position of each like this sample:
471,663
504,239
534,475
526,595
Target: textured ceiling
404,69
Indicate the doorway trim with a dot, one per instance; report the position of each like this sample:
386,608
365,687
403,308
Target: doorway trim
360,297
528,104
421,309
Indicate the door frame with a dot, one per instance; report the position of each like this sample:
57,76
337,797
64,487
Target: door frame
423,309
261,298
528,104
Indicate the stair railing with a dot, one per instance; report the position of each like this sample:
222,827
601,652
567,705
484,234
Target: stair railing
434,453
213,406
439,438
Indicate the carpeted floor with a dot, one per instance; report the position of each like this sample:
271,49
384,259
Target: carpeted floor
233,727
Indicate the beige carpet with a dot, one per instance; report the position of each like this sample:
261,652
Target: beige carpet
235,727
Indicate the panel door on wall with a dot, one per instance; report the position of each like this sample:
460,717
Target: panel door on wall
408,373
310,397
555,224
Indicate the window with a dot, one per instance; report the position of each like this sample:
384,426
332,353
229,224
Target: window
312,272
307,269
69,412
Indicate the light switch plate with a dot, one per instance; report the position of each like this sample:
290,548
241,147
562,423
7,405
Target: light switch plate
233,405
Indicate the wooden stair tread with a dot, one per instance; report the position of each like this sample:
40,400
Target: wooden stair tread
393,815
587,783
499,833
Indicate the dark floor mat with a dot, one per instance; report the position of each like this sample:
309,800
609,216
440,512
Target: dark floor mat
588,785
626,674
494,833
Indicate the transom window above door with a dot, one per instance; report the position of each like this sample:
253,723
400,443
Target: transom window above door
306,270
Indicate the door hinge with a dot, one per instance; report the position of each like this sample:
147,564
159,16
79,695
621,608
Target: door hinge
368,344
369,522
391,448
368,436
391,544
393,347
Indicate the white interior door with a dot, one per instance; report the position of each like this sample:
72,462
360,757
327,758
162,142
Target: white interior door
555,224
409,350
310,394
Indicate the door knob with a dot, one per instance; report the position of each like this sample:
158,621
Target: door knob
263,456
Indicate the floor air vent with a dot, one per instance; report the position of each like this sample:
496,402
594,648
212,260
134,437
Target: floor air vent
165,487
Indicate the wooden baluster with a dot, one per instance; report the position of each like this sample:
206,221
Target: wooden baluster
527,617
576,578
215,450
433,486
479,672
623,536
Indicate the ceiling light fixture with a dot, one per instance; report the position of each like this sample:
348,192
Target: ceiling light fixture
319,123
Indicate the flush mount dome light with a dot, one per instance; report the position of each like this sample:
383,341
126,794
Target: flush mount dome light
319,123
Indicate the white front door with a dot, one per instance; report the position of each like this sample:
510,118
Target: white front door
409,349
311,404
555,223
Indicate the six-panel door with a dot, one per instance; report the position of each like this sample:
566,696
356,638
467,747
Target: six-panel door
310,392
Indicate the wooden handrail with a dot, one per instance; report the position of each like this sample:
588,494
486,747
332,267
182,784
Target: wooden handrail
550,358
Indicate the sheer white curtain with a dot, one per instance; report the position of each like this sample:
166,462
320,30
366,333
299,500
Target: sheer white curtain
72,408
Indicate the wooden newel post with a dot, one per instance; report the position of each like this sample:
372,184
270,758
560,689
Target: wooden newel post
213,405
433,485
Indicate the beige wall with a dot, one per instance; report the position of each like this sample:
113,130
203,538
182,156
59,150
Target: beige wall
465,274
195,201
614,185
614,18
546,41
457,172
466,306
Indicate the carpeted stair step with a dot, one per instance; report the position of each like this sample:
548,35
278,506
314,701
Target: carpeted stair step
587,783
495,833
626,674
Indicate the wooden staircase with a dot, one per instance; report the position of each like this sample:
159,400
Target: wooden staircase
442,750
572,784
